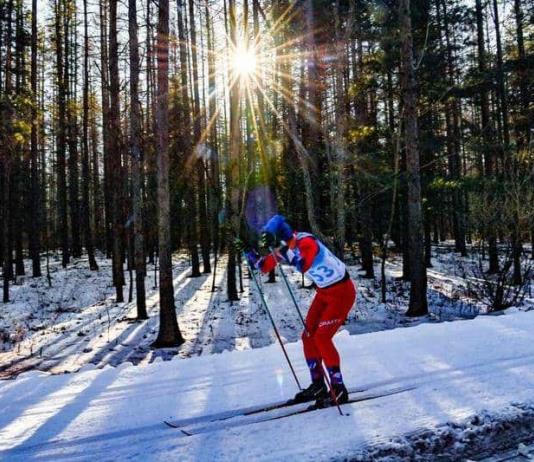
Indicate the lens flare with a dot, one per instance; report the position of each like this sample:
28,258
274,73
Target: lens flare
260,206
280,378
244,61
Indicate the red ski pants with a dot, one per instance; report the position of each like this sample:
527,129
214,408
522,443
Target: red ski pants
327,313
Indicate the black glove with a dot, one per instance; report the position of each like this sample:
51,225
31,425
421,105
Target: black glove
266,243
239,245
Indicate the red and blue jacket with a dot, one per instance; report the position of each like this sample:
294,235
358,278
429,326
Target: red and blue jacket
310,256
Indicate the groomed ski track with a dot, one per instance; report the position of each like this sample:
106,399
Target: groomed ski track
458,370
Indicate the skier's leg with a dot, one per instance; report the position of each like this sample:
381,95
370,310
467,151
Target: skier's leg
317,390
311,351
339,299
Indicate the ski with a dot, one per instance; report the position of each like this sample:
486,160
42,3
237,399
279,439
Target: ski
245,411
259,416
357,399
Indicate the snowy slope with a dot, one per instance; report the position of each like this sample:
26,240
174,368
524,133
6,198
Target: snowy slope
458,369
77,322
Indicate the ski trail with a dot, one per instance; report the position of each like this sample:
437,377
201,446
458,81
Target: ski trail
242,420
459,370
198,310
107,333
411,386
373,390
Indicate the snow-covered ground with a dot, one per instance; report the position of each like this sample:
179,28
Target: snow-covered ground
77,323
461,389
468,385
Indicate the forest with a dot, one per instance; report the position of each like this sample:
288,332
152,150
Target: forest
207,205
132,131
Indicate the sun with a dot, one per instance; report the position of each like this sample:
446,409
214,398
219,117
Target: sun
244,61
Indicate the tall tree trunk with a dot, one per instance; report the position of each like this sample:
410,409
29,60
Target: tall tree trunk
169,333
61,138
34,235
3,6
105,83
525,121
6,150
115,154
214,192
86,209
503,100
523,130
137,165
312,129
150,144
6,215
233,165
418,282
192,232
199,163
487,135
427,225
361,115
71,129
340,144
311,118
453,145
19,162
98,223
366,243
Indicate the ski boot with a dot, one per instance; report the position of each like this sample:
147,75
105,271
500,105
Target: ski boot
317,390
341,393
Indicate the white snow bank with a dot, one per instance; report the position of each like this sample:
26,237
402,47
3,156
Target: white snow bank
458,370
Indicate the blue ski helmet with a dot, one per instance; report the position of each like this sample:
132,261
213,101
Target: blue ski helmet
279,227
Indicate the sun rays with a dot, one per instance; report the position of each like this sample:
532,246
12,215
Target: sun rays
264,65
244,61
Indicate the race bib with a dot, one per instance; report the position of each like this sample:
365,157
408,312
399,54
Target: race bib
326,268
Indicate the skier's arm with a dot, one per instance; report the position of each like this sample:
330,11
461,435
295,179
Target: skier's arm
307,250
302,255
267,264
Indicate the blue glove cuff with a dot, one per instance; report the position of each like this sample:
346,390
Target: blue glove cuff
252,258
292,257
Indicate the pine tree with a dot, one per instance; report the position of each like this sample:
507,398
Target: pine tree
34,235
115,153
137,165
61,132
418,301
85,205
169,332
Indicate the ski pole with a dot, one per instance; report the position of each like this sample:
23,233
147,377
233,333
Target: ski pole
325,370
264,302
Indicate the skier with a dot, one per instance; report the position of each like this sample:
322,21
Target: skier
334,298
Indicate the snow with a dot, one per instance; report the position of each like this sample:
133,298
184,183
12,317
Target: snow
471,385
76,323
482,367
